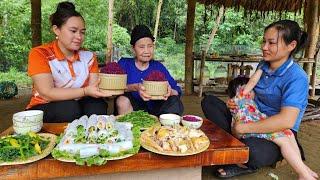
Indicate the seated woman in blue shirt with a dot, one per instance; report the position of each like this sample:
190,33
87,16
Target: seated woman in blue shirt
281,93
137,69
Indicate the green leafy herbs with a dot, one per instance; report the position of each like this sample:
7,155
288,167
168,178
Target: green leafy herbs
21,147
139,118
81,134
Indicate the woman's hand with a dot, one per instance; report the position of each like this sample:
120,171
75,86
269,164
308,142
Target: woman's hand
143,94
94,91
169,92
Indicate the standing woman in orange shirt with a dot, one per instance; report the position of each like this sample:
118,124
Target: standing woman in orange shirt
65,76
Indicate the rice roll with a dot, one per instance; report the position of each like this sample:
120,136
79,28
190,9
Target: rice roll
102,136
67,140
101,122
91,125
92,137
111,148
125,145
89,151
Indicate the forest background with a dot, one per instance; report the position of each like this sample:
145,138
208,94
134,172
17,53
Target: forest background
238,33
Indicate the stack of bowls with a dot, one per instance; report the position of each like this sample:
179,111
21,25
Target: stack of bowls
26,121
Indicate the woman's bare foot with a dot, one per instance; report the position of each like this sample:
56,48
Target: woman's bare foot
309,177
312,173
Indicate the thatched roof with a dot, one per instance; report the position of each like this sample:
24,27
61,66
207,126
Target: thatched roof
260,5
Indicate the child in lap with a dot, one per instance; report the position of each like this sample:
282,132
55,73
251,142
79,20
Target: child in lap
247,112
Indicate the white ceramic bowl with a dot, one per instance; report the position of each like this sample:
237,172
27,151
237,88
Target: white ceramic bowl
192,121
169,119
26,121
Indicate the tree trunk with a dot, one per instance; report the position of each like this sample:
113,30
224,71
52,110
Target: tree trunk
313,32
204,54
214,30
155,33
109,36
189,47
36,22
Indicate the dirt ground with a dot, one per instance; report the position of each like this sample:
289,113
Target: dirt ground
309,136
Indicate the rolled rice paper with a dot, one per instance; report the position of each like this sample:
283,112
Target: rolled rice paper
92,137
89,151
101,122
93,119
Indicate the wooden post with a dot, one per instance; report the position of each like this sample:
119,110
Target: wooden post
109,36
189,47
36,22
155,33
202,63
205,52
313,32
314,74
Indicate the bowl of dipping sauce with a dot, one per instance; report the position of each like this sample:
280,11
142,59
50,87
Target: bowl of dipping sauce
192,121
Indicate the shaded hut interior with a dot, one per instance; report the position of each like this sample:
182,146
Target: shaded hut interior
309,8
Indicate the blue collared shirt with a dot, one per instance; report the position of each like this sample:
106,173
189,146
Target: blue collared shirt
285,87
135,75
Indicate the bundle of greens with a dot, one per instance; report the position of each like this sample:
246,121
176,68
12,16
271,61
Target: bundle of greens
21,147
141,119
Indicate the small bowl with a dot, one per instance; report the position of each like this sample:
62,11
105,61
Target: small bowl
26,121
192,121
169,119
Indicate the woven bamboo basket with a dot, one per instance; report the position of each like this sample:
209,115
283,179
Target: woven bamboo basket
113,83
156,89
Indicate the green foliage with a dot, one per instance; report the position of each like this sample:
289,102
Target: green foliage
8,89
237,32
19,78
15,34
173,55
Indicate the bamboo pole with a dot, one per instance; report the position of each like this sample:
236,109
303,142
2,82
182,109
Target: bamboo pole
202,63
313,32
109,36
189,47
205,52
314,74
155,33
36,22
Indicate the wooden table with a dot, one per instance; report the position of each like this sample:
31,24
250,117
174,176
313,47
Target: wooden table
223,149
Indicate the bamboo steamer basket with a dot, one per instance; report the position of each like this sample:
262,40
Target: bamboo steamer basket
113,83
156,89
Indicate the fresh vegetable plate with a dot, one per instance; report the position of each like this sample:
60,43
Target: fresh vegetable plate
14,147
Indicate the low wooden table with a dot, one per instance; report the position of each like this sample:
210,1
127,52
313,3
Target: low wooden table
223,149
